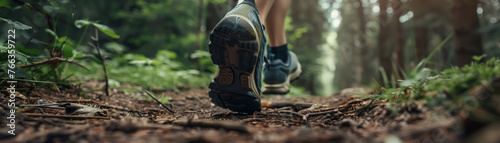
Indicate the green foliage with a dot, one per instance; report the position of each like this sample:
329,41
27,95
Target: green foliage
20,57
491,43
16,24
164,99
163,71
204,61
5,4
103,28
294,33
384,77
458,80
296,91
434,88
157,25
305,29
438,48
150,43
216,1
54,45
446,88
410,88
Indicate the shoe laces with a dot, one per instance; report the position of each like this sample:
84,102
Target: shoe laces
268,59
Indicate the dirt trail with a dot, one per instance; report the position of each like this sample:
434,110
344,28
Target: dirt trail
66,116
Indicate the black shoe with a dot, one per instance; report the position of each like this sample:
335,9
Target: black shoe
278,74
237,45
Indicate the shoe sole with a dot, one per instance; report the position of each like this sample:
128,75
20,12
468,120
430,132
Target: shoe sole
235,49
283,88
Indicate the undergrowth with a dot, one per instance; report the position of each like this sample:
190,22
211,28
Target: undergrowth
449,87
432,88
161,72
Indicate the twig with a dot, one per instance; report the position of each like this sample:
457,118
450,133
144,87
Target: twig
79,101
101,105
157,126
65,116
305,117
292,112
364,107
96,39
41,110
214,124
322,113
55,106
248,120
346,106
52,61
152,96
62,45
120,109
269,104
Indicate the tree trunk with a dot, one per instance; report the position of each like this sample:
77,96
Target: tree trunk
383,45
308,14
421,42
201,7
366,59
397,52
465,22
420,29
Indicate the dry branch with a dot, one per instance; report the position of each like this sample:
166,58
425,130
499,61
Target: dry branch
96,39
152,96
79,101
65,116
291,112
233,126
269,104
158,126
52,61
305,117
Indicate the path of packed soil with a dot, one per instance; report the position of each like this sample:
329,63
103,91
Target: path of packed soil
83,113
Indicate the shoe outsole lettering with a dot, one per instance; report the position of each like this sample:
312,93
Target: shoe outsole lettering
235,49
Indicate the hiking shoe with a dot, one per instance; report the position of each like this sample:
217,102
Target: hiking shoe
279,74
237,44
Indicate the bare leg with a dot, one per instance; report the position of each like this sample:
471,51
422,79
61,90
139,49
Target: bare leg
264,7
275,22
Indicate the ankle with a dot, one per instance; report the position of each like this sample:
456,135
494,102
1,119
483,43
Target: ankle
280,52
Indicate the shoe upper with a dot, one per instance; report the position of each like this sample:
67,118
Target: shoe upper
277,71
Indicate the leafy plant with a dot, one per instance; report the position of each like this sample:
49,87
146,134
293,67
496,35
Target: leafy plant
163,71
43,63
164,99
448,88
432,88
103,28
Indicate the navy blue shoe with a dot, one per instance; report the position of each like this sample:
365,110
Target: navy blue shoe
279,74
237,44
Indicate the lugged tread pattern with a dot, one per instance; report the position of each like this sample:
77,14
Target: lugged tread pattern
239,102
230,88
247,61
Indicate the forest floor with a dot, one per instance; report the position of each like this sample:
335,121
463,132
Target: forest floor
64,114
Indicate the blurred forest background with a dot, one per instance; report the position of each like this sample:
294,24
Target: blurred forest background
163,43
